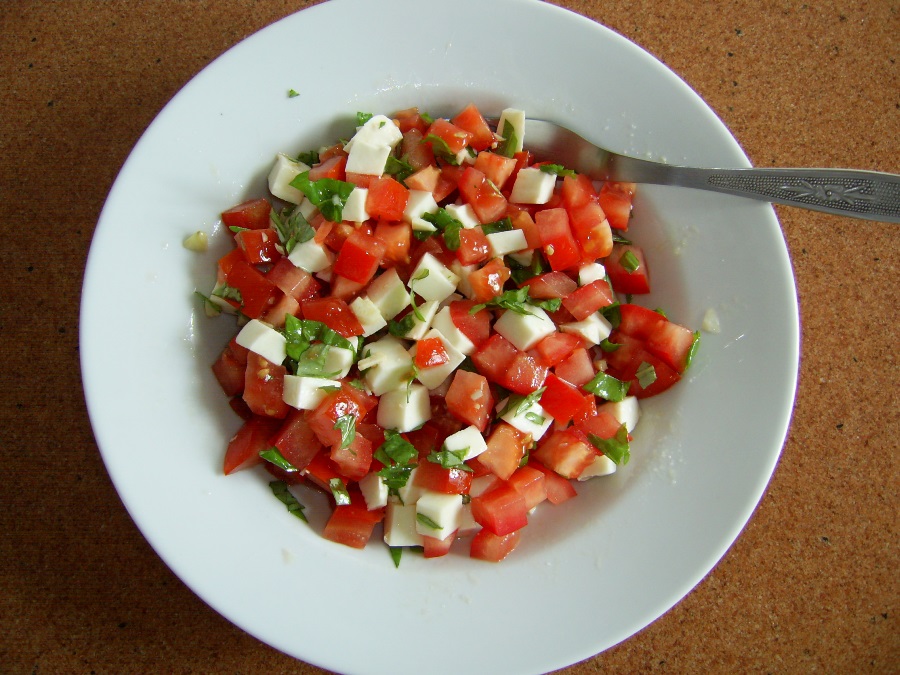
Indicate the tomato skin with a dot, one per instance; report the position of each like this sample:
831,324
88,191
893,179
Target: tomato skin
359,257
252,214
229,372
565,451
560,399
264,387
430,352
556,238
551,285
577,368
455,137
616,200
354,460
336,404
488,281
293,281
471,120
409,118
496,168
331,167
434,477
525,374
260,246
506,447
494,357
556,347
589,298
244,447
637,321
523,220
396,239
592,231
487,201
386,199
469,399
435,548
474,246
576,191
672,343
493,548
258,293
625,281
296,441
477,326
500,510
531,484
334,313
352,524
559,489
624,362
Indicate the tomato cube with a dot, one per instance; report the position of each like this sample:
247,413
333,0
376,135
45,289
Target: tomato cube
506,447
469,399
627,269
484,197
493,548
386,199
359,257
296,441
472,121
352,524
500,510
264,387
557,240
251,439
530,483
253,214
334,313
434,477
560,399
567,452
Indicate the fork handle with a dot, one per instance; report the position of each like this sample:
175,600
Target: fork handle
870,195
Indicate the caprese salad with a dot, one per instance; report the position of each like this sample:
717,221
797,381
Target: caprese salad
437,330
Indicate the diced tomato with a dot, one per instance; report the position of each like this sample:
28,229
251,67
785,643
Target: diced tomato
576,191
488,281
352,524
395,237
386,199
500,510
556,347
332,167
565,451
355,459
557,241
409,119
559,489
551,285
506,447
602,425
477,326
258,293
615,200
577,368
336,150
432,547
469,399
251,439
252,214
259,246
496,168
624,362
229,372
672,343
275,315
240,353
455,138
494,357
529,482
588,299
523,220
334,313
560,399
493,548
525,374
292,280
264,387
487,201
591,230
335,405
471,120
296,441
627,269
430,352
474,246
359,257
639,322
425,179
344,289
321,470
241,409
434,477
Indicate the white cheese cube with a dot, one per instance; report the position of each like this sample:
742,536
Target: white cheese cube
432,280
467,524
389,294
374,491
590,273
336,361
502,243
386,364
355,208
367,158
410,493
463,271
443,322
368,315
531,419
517,119
465,156
525,330
260,338
600,466
306,393
433,377
378,130
404,409
464,213
311,256
419,203
307,209
442,510
282,173
400,525
524,258
532,186
594,329
468,439
427,310
627,411
482,484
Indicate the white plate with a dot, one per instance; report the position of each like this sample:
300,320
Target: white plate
589,573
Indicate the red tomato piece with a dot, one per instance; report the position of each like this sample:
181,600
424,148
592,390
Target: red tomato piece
556,347
334,313
395,238
525,374
472,121
415,151
296,441
523,220
672,343
477,326
577,368
589,298
469,399
560,399
591,230
258,293
335,405
359,257
260,246
624,362
487,201
487,282
530,483
264,387
386,199
567,452
430,352
551,285
252,214
292,280
474,246
410,118
251,439
352,524
616,201
500,510
639,322
494,357
493,548
229,372
425,179
276,314
453,136
354,460
506,447
559,489
331,167
627,269
602,424
576,191
496,168
435,548
434,477
557,241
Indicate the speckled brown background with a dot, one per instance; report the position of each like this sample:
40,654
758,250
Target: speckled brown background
812,583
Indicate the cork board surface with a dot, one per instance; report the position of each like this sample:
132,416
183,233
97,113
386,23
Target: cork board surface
811,585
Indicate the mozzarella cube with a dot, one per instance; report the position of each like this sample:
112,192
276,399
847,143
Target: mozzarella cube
482,484
368,315
378,130
419,203
404,409
311,256
260,338
627,411
524,258
410,493
306,209
531,419
336,361
282,173
441,509
386,365
467,524
468,439
432,280
525,330
389,294
516,118
510,241
367,158
427,310
464,213
594,329
600,466
400,525
532,186
355,208
463,272
443,322
306,393
374,491
433,377
590,273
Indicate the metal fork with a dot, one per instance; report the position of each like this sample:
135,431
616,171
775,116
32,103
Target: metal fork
870,195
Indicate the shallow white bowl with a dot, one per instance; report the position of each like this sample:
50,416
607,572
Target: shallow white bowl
589,573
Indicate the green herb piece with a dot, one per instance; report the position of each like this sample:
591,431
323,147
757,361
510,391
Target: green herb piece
312,363
228,293
692,352
520,273
398,168
613,314
449,459
427,522
293,93
397,455
237,228
274,456
310,157
619,239
502,225
396,554
630,262
615,448
280,490
292,229
346,424
507,147
301,333
607,387
534,418
447,225
412,294
210,307
646,374
557,170
422,235
518,403
362,118
428,119
402,327
661,312
518,300
339,492
608,346
441,149
327,194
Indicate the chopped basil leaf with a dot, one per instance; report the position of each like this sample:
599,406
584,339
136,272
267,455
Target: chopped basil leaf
328,194
447,225
402,327
280,490
557,170
630,262
312,362
549,304
534,418
449,459
397,455
619,239
692,352
238,228
274,456
516,300
502,225
615,448
428,522
398,168
339,492
346,424
228,293
301,334
608,346
612,313
607,387
293,93
309,157
412,294
362,118
292,229
520,273
210,307
646,374
422,235
517,403
396,554
661,312
428,119
441,149
507,147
